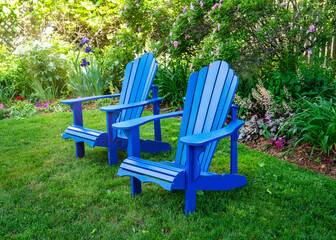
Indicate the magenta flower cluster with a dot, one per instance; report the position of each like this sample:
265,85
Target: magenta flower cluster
280,142
44,105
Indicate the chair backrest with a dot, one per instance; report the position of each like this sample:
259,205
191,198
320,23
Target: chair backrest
137,83
209,97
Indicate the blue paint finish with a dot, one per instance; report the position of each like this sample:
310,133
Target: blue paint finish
209,98
138,80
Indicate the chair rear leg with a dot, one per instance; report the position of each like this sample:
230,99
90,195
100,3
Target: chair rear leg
136,186
80,150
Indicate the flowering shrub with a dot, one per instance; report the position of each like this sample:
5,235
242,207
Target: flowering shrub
86,74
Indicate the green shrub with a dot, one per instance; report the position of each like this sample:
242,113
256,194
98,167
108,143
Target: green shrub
315,122
22,109
42,67
172,81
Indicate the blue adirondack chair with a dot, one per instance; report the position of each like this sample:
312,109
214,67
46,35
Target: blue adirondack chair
208,101
136,86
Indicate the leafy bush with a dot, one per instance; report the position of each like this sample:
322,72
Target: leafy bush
22,109
315,122
172,81
42,67
86,78
2,113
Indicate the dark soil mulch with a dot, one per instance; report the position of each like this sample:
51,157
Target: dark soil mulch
318,162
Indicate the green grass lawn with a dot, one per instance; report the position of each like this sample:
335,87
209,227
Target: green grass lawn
45,192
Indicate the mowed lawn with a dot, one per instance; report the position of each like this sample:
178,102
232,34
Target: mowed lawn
48,193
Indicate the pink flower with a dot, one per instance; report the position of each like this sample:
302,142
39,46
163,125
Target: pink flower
290,146
212,53
283,140
79,97
211,37
170,34
257,29
220,1
288,143
214,30
311,28
45,105
175,43
271,140
296,14
309,52
126,24
1,106
139,35
201,4
283,4
47,102
191,7
316,20
279,144
180,109
184,9
155,49
330,160
135,1
139,29
38,105
210,64
137,5
218,26
201,56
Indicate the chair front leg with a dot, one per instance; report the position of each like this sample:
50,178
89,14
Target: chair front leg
112,147
133,150
234,139
193,170
78,120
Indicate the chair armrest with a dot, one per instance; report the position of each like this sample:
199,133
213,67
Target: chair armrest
85,99
141,121
131,105
204,138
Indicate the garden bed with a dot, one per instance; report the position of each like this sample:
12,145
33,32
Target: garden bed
318,162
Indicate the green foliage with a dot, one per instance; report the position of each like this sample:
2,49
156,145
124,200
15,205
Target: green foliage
172,81
2,113
22,109
115,59
315,122
42,67
87,80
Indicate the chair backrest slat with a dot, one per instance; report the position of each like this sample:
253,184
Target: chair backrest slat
207,106
138,79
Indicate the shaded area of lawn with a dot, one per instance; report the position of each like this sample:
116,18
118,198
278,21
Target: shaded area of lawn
45,192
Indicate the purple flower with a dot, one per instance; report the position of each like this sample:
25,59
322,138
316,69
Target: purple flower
218,26
191,7
186,37
1,106
38,105
139,29
309,52
185,9
296,14
311,28
191,66
45,105
201,4
175,43
283,4
271,140
88,49
84,62
126,24
84,41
